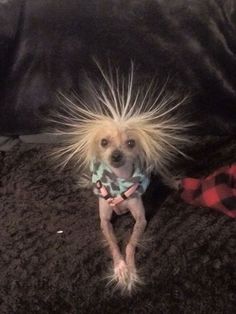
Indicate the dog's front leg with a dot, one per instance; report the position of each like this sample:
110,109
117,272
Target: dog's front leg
138,212
120,267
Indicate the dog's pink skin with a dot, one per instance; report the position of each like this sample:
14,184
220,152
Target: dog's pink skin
124,267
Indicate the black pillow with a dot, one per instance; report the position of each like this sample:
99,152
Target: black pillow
46,46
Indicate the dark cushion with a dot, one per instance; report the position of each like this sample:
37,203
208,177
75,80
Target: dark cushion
45,46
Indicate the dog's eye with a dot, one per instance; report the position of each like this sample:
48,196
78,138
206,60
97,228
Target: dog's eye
130,143
104,142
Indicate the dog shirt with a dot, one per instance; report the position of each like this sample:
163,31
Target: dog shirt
102,176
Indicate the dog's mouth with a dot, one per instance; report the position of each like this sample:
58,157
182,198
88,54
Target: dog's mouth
117,164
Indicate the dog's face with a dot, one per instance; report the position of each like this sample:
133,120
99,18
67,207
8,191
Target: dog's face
116,146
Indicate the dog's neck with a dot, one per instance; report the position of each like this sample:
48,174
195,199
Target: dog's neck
124,172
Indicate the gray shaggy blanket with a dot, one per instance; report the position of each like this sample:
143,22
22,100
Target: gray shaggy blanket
187,258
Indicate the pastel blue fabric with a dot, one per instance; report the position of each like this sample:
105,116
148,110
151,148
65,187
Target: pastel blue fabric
115,185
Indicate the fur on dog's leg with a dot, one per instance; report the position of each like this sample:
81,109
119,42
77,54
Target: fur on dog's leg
120,266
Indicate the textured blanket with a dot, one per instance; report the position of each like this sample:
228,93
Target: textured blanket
53,259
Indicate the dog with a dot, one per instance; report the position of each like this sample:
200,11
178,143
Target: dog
122,134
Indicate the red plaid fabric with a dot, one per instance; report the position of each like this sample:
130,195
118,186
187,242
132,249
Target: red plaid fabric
217,191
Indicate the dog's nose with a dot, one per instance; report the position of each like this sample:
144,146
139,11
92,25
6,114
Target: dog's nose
117,156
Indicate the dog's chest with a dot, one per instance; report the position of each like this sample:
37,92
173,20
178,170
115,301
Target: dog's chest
121,208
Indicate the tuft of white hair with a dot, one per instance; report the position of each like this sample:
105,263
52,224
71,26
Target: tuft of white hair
150,114
129,283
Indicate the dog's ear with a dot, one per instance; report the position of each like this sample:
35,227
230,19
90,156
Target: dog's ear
140,161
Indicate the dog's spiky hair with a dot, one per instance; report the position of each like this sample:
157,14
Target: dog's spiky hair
151,116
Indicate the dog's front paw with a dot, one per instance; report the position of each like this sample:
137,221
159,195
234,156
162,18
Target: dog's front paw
120,276
134,281
125,277
121,273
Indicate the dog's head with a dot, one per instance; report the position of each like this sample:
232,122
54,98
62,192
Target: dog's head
115,145
120,124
